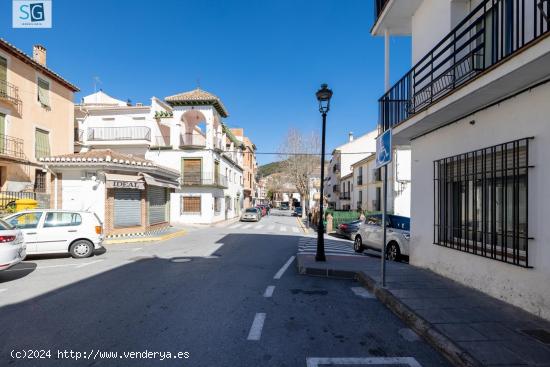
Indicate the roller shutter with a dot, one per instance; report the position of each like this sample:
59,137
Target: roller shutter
127,208
157,197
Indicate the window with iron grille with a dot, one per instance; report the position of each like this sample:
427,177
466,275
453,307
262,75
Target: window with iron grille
190,205
481,202
40,181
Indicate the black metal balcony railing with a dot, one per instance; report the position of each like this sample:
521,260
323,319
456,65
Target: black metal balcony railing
379,6
9,92
492,32
11,146
119,133
203,179
345,196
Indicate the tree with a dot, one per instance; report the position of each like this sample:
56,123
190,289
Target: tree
300,160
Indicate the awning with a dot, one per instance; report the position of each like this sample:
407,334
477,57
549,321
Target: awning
156,181
118,181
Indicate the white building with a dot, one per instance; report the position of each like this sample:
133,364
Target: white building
184,132
474,109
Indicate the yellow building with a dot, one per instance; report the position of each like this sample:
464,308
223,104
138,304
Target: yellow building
249,168
36,120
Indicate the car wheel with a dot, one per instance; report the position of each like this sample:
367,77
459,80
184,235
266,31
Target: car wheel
81,249
392,251
358,244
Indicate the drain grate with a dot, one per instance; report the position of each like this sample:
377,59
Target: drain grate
541,335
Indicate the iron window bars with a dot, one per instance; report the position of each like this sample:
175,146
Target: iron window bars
490,33
481,202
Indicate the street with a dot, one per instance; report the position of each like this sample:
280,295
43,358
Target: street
219,296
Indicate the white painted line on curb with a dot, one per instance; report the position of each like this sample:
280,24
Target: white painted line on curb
137,249
362,292
268,291
408,361
283,269
86,264
257,326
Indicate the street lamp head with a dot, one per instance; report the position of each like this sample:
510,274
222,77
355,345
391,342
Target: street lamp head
323,96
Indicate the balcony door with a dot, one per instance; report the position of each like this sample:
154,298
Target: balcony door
3,75
216,172
2,132
192,171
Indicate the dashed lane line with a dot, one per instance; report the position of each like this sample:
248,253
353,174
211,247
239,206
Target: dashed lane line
283,269
257,326
136,249
269,291
88,263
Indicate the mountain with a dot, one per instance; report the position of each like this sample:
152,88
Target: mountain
270,168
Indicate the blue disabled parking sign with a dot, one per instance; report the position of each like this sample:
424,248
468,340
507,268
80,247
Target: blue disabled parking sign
383,149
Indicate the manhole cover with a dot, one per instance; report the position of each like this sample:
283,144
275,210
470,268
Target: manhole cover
180,260
541,335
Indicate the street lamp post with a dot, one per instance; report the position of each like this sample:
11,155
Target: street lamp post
323,96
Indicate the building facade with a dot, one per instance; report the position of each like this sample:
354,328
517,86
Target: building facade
475,116
250,167
36,119
184,132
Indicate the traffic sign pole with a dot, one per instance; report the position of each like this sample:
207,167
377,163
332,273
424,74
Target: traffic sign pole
384,155
384,220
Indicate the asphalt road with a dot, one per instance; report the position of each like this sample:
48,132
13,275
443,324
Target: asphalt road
218,296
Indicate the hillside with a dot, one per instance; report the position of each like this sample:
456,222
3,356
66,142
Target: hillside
270,168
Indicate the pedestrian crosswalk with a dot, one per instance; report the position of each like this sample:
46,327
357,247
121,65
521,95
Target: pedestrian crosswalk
308,246
278,228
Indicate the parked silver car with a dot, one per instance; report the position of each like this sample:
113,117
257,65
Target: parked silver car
251,215
397,235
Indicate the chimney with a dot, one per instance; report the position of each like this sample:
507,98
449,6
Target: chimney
350,136
39,54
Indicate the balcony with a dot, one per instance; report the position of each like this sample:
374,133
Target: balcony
203,179
336,188
11,148
192,140
492,33
126,133
379,6
345,196
9,93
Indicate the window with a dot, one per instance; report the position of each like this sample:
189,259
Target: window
62,219
41,143
480,202
26,220
191,171
190,205
43,92
360,176
218,204
360,196
40,181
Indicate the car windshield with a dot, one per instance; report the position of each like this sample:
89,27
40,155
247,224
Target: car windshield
403,223
5,225
251,210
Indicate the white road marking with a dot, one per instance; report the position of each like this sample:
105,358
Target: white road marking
236,225
86,264
409,335
408,361
247,226
257,326
5,289
137,249
269,291
271,227
259,226
283,269
283,229
295,230
362,292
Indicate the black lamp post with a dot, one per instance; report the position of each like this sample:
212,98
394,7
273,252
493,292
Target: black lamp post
323,96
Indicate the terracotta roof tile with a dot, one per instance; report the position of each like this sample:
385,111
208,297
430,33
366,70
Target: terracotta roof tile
195,97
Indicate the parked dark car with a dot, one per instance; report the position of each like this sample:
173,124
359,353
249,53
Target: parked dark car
348,230
284,206
297,212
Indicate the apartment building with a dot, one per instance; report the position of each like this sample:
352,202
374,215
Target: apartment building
474,110
249,168
36,119
183,132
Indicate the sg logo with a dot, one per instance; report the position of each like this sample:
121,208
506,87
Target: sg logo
34,12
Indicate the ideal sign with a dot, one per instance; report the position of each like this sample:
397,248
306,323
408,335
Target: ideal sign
136,185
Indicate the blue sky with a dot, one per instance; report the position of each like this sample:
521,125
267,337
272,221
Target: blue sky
265,59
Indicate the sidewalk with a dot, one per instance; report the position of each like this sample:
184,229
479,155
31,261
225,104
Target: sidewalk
465,325
161,235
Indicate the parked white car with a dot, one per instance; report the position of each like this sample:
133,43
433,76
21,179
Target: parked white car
251,215
12,246
370,235
50,231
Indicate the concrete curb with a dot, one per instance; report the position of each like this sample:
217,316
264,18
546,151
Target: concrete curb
455,354
144,239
